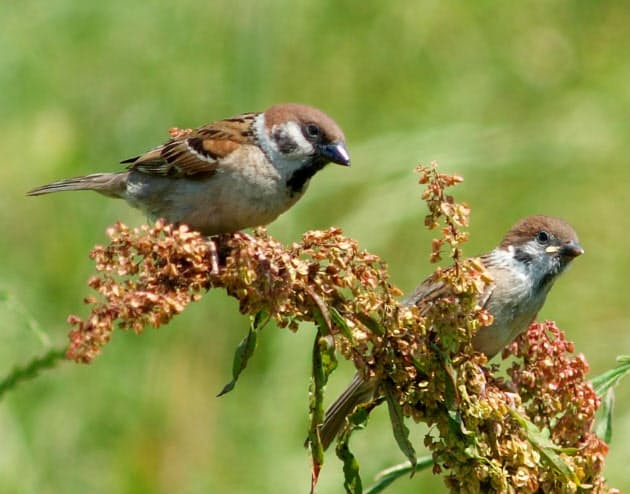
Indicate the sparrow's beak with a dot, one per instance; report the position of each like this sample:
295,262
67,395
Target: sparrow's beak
570,250
335,152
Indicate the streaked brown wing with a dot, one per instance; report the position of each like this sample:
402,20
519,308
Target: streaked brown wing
425,293
197,152
432,289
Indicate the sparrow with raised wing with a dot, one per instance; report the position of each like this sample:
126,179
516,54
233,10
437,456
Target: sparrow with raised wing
228,175
523,268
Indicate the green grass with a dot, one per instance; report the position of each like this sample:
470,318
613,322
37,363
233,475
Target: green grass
529,101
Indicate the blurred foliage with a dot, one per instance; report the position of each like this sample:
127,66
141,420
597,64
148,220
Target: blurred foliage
528,101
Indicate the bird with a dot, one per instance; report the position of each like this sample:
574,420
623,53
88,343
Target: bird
228,175
523,268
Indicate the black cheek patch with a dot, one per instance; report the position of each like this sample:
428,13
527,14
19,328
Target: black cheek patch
285,143
522,256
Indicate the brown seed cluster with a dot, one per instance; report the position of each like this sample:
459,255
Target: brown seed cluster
530,433
146,276
556,396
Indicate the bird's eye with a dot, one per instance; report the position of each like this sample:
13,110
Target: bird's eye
542,237
313,131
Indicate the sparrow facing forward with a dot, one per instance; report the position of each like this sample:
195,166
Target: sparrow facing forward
523,267
228,175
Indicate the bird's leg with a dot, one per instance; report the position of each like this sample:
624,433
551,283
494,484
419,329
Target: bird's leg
214,256
219,247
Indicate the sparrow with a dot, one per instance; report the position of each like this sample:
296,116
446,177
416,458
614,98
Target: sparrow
523,268
236,173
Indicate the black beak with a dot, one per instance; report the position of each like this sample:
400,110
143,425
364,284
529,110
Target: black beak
571,250
335,152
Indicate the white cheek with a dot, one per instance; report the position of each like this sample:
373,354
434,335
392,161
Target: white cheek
519,271
284,164
541,265
292,131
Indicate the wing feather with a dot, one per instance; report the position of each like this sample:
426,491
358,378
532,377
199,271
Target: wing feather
196,152
432,289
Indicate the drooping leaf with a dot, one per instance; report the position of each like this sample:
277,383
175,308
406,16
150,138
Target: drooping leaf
324,363
357,420
245,350
401,432
351,477
316,410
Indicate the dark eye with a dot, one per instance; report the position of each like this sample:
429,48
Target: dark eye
313,131
542,237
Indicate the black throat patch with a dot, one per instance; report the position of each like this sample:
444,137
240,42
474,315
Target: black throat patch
300,177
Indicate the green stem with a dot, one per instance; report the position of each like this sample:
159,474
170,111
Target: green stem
32,369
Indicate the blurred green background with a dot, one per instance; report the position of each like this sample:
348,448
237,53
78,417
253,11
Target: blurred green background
527,100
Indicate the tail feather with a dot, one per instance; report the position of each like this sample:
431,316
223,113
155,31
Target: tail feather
358,391
109,184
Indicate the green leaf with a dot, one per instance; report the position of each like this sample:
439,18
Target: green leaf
603,418
324,363
547,449
351,478
341,323
386,477
608,379
245,349
401,432
357,420
371,323
604,387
